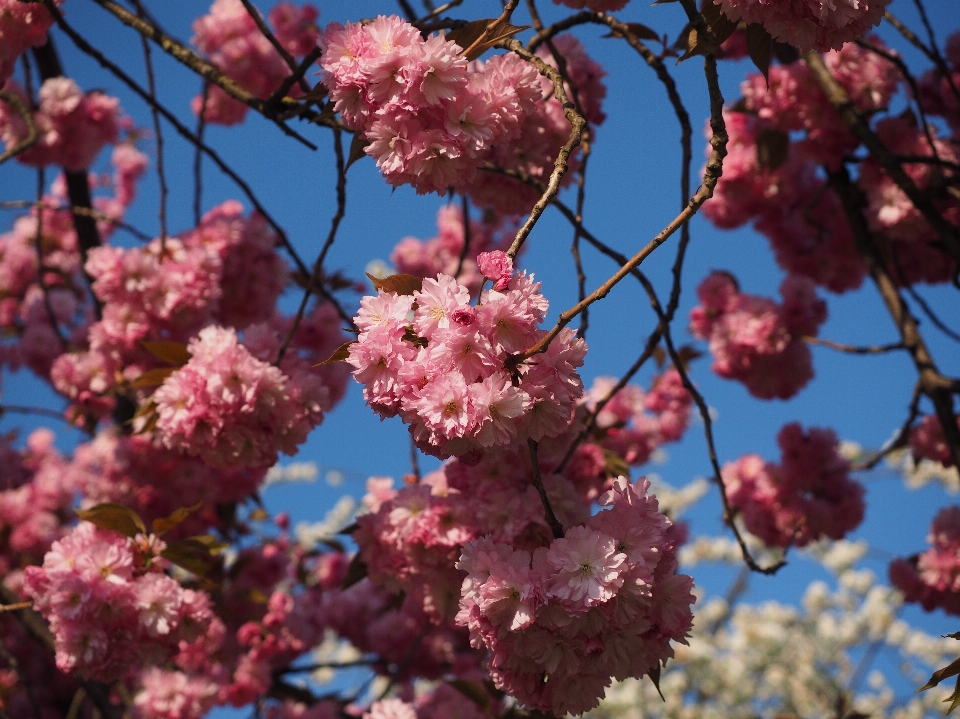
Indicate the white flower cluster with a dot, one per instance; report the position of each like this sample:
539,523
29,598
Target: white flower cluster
771,659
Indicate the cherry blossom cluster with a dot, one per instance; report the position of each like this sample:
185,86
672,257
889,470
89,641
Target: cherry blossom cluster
448,372
936,88
809,495
756,341
155,481
603,601
635,423
430,119
932,578
441,254
22,26
790,201
73,126
35,500
232,409
927,441
543,133
809,24
110,606
230,37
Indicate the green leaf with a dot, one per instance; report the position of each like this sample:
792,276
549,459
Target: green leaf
356,571
339,355
173,353
165,524
114,517
401,284
154,377
760,48
614,464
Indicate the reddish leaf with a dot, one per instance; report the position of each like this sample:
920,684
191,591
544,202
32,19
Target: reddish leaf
173,353
165,524
339,355
760,48
114,517
400,284
154,377
469,34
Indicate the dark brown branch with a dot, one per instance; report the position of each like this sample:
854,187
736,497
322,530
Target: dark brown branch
78,184
272,39
678,363
949,234
552,520
932,383
297,77
20,107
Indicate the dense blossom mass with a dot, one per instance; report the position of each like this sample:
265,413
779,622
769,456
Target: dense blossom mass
447,370
809,495
756,341
143,570
809,24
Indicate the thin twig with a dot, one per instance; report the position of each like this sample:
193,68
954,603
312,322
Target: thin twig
196,63
158,133
900,438
928,311
314,279
915,91
932,383
40,411
272,39
577,125
86,211
552,520
88,49
838,97
853,349
728,511
575,245
20,107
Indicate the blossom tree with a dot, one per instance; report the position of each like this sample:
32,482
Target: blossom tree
535,566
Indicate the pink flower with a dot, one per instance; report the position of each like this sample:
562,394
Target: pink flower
497,267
